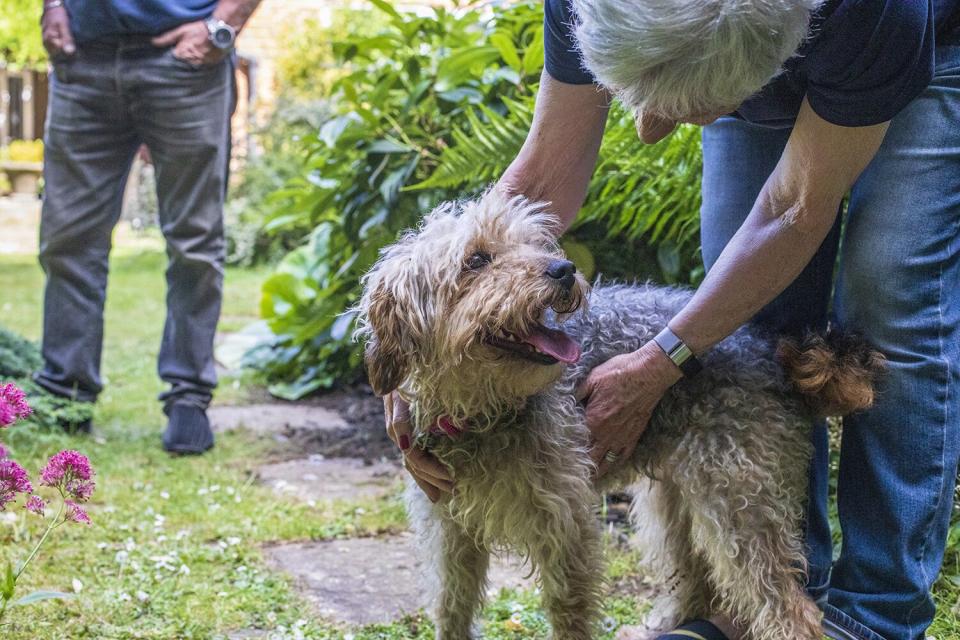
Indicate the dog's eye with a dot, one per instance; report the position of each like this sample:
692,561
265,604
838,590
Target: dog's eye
478,260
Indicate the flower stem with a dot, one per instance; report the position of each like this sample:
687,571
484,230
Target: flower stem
50,527
53,525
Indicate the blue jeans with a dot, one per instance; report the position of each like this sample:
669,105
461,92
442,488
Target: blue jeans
897,283
105,102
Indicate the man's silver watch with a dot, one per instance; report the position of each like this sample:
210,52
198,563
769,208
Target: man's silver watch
222,35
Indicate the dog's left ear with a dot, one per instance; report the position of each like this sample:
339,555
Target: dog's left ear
385,357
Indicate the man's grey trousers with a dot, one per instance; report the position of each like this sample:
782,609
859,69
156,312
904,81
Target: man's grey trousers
105,102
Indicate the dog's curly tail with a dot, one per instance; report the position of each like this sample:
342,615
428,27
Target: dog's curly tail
835,373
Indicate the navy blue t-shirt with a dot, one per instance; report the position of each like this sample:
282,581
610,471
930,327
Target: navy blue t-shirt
864,61
98,19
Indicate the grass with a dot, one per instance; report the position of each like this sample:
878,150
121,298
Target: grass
174,551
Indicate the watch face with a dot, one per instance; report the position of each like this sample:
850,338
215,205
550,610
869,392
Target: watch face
222,37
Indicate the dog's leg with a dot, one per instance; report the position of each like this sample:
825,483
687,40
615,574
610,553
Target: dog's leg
746,523
463,579
662,528
569,556
456,566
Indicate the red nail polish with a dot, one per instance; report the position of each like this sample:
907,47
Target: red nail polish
404,442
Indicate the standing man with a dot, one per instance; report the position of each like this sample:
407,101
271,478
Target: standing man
803,102
127,73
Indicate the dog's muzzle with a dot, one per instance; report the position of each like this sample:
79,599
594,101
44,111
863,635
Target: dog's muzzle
563,272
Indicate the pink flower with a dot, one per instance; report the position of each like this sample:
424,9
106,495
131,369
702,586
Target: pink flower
71,473
35,504
13,404
4,452
13,480
76,513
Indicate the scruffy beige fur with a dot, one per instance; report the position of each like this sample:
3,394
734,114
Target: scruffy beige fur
722,464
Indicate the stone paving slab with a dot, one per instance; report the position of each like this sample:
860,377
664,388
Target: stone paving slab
274,417
247,634
317,478
369,580
231,347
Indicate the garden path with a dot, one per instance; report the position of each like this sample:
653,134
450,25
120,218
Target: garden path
355,581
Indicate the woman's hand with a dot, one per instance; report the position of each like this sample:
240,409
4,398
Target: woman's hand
429,474
620,397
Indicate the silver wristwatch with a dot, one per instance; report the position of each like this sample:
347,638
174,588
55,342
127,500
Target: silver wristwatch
222,35
678,352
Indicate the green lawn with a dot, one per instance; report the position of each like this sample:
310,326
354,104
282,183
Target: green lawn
174,551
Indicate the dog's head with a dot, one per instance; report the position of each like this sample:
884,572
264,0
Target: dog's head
457,308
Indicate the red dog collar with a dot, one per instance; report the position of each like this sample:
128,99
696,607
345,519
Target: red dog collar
444,426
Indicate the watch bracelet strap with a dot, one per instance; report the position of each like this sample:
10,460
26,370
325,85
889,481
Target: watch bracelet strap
678,352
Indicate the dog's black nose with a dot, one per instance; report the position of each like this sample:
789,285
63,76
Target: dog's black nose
563,272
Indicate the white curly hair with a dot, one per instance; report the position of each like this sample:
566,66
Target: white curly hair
684,58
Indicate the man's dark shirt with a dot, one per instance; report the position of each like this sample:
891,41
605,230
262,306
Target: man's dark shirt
863,62
104,19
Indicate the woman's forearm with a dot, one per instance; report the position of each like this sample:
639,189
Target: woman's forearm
769,251
559,154
793,214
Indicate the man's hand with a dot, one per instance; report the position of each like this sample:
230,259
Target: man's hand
55,27
191,43
429,474
620,397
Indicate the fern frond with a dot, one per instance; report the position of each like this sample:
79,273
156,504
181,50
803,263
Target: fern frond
645,190
482,147
638,190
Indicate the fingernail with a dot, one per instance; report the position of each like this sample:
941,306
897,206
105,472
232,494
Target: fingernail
404,442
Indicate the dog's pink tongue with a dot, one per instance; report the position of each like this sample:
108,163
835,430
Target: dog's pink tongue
554,343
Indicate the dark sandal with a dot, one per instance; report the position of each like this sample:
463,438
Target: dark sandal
694,630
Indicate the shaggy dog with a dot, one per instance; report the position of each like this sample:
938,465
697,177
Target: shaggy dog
458,316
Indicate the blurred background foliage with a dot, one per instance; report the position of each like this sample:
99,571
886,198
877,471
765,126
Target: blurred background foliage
407,111
20,42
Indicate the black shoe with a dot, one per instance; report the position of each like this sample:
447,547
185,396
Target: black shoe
188,430
74,428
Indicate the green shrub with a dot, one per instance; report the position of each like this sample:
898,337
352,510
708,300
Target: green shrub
281,148
21,44
308,66
305,72
19,358
433,108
